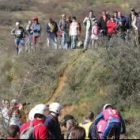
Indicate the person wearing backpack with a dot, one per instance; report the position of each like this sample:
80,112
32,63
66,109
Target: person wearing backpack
89,118
36,129
52,121
114,120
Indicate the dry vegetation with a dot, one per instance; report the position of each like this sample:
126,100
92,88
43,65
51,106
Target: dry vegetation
94,78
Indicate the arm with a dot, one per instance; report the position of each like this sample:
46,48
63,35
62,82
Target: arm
99,117
43,133
85,21
13,32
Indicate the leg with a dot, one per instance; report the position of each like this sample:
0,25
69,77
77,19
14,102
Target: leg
22,43
63,41
48,42
109,127
118,131
55,43
17,45
34,43
87,40
72,42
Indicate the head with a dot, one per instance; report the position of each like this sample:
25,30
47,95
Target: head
112,18
69,18
64,17
50,20
77,133
107,106
15,114
91,14
89,116
14,131
14,102
103,13
119,13
133,12
7,103
73,19
70,124
35,20
17,24
55,108
115,14
40,112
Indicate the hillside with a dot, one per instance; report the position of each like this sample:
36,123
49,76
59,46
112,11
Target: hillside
79,80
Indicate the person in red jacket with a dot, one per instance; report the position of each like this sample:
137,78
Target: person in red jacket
111,27
40,130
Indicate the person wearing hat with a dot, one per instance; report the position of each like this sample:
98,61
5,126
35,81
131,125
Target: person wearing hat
37,118
114,120
36,30
52,121
19,34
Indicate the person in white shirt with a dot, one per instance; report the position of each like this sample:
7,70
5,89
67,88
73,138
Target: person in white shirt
74,32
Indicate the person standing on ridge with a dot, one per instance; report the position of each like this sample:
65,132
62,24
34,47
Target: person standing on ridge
88,22
19,34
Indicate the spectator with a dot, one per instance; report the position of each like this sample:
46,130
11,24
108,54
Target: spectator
77,133
89,118
95,34
40,130
64,30
36,29
52,30
88,22
74,32
111,27
29,33
14,132
103,23
52,121
19,34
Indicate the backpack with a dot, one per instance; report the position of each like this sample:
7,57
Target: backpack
29,132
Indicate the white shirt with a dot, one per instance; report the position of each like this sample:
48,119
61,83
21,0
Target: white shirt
74,29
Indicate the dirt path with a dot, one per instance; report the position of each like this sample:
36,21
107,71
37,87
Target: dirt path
63,78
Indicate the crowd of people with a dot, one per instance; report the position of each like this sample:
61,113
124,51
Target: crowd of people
43,122
69,30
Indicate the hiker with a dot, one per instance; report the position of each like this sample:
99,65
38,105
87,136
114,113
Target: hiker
74,32
103,23
69,122
114,119
64,30
29,33
14,132
95,34
36,29
101,127
111,27
89,118
19,34
88,22
52,30
40,131
52,121
77,133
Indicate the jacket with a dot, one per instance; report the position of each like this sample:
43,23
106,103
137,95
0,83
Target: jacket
52,29
54,127
111,119
93,133
103,23
40,132
111,27
36,29
18,33
86,125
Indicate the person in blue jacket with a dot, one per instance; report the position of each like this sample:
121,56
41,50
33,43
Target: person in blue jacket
114,120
